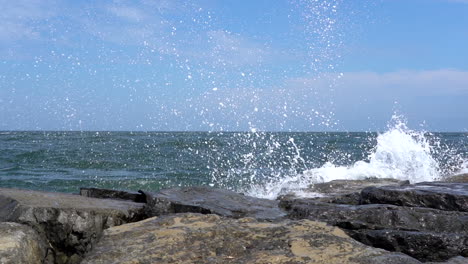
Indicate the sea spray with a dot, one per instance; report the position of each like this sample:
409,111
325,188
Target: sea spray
400,153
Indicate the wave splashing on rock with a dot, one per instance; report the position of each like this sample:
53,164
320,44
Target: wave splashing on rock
400,153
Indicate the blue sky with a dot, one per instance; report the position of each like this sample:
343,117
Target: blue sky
289,65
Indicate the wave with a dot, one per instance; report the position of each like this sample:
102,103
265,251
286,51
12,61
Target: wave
400,153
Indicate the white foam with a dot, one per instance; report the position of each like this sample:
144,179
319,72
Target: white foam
400,153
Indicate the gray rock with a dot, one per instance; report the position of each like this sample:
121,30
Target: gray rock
112,194
208,200
455,260
378,216
457,178
349,191
416,228
71,223
438,195
21,244
424,246
197,238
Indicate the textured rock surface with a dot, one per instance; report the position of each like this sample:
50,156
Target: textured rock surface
399,218
112,194
438,195
348,191
427,246
457,178
21,244
207,200
196,238
378,216
71,223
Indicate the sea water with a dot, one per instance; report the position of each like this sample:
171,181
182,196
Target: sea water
262,164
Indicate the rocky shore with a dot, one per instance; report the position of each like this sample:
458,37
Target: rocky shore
369,221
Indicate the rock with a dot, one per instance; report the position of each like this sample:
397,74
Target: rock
207,200
438,195
416,228
71,223
457,178
455,260
378,216
424,246
348,191
21,244
112,194
196,238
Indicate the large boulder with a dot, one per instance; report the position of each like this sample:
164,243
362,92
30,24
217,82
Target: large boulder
426,221
438,195
197,238
208,200
378,216
426,246
71,223
21,244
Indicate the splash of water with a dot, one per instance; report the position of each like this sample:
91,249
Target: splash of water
400,153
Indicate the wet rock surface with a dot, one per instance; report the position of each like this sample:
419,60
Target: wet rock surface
197,238
438,195
21,244
71,223
427,220
208,200
349,191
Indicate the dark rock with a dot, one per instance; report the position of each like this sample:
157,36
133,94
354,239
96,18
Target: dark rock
342,191
425,246
112,194
427,221
21,244
378,216
71,223
438,195
348,191
196,238
208,200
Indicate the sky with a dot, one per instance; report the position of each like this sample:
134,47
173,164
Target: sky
233,65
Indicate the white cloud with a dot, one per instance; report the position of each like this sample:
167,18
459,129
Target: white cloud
132,14
19,18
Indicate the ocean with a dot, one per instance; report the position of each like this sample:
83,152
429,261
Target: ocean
262,164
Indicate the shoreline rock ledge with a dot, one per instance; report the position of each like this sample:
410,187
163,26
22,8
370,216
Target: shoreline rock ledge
372,222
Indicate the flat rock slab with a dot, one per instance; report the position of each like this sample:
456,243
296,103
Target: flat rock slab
438,195
208,200
350,186
21,244
112,194
348,191
197,238
71,223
